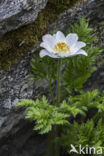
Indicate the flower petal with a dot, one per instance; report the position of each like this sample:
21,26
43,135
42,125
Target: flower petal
54,35
82,52
47,53
49,39
49,42
60,37
77,46
46,46
71,39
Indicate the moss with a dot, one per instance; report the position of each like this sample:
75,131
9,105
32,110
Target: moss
61,5
14,43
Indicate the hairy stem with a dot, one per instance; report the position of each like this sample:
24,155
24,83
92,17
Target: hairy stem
51,92
57,146
54,149
58,81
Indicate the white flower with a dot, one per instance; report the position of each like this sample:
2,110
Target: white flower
59,46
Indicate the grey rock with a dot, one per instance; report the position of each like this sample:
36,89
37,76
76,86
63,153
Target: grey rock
15,13
16,135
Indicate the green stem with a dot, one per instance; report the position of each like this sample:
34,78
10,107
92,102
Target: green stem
58,81
54,150
50,148
57,146
51,91
50,145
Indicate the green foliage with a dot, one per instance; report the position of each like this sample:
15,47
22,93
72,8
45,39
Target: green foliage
84,134
44,114
84,32
71,109
76,102
90,133
78,69
44,68
80,104
100,103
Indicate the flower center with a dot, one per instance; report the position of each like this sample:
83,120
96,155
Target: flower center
61,47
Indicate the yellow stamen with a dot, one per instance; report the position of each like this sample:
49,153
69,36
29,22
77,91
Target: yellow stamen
61,47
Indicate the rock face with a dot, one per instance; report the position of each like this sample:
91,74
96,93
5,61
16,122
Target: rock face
15,13
16,135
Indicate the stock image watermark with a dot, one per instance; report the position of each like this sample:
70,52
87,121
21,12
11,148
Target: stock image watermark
85,150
